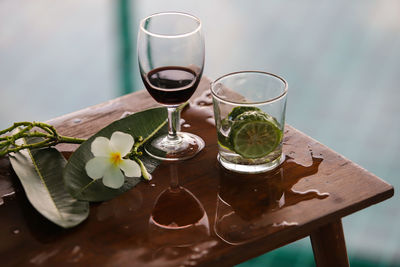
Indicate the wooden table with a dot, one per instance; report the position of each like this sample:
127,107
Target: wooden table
237,217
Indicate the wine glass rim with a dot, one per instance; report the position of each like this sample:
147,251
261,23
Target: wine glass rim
169,35
252,103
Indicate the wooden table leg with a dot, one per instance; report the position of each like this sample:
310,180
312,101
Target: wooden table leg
329,245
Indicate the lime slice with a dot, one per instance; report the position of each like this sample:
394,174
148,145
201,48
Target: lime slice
239,110
254,134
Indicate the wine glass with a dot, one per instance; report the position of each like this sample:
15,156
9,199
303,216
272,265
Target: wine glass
171,62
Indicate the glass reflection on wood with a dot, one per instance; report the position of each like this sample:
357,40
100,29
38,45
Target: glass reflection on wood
178,218
248,206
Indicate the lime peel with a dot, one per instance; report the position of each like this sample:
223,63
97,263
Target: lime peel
254,134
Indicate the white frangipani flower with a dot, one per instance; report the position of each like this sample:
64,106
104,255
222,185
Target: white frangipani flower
108,160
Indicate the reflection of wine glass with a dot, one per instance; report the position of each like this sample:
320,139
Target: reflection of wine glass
178,218
171,61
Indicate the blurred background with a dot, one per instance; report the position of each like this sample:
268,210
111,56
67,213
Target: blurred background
341,59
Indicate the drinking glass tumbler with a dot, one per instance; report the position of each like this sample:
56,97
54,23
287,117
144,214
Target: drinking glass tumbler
249,109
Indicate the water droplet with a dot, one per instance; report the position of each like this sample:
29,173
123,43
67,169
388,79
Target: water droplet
126,114
252,226
210,120
195,256
43,257
285,224
205,245
76,249
204,252
7,195
204,100
312,193
76,254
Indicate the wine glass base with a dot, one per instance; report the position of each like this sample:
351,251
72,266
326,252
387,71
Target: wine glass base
186,146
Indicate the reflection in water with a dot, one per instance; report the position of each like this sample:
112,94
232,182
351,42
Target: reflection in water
178,219
247,207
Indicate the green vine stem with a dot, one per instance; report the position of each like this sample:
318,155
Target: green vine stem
49,137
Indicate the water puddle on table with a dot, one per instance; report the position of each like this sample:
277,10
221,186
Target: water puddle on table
248,207
205,99
201,107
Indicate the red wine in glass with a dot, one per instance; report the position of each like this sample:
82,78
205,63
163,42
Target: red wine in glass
171,61
171,85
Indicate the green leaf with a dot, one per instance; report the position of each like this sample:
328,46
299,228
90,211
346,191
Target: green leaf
40,173
81,186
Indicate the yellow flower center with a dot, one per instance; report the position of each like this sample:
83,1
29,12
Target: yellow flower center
115,158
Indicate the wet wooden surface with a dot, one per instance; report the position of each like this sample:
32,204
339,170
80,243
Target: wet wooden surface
215,217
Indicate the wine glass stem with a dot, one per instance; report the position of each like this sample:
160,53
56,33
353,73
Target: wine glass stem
174,183
174,125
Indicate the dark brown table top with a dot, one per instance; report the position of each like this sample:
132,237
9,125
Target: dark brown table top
234,217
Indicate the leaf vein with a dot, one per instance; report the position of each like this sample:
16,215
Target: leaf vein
43,181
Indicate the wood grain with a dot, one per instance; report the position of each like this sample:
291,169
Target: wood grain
329,245
310,192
